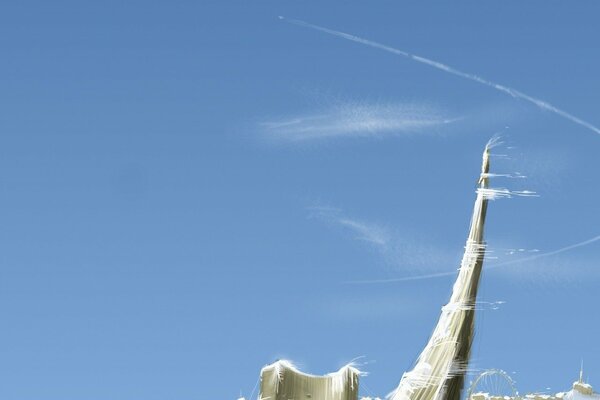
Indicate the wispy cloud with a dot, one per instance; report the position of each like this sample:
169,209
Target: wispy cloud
419,260
450,70
545,166
555,270
402,252
527,264
352,119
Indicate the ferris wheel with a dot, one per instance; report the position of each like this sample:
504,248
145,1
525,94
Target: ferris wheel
493,383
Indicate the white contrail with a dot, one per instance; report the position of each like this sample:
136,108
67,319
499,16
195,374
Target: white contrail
505,89
550,253
493,266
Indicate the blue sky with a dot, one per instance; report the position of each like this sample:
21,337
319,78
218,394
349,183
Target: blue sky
187,186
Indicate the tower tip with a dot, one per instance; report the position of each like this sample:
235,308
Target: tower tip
485,165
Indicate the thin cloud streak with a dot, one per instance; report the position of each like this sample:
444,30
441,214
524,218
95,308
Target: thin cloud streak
443,67
557,270
356,120
396,249
493,266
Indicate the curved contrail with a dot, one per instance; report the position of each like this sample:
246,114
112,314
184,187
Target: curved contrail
435,64
493,266
504,89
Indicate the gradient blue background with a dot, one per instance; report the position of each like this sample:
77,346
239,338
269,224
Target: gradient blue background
156,245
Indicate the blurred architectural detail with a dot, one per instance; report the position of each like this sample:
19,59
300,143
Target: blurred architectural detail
440,370
580,391
283,381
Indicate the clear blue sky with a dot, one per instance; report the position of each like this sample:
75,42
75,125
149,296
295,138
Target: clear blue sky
185,186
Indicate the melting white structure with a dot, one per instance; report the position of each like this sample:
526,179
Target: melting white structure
282,380
439,372
440,369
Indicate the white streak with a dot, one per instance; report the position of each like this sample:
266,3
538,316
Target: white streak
396,249
511,176
443,274
503,193
550,253
443,67
356,120
479,305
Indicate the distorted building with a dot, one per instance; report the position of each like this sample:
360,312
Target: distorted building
440,370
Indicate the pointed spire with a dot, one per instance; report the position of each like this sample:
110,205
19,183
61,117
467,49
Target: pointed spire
581,372
485,166
440,370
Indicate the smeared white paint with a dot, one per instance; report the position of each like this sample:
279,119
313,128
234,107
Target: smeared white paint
479,306
338,380
441,366
550,253
443,67
503,193
488,194
452,273
516,175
